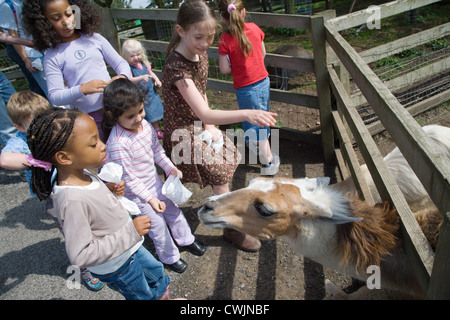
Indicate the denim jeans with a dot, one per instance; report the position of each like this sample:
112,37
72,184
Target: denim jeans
7,130
141,277
255,96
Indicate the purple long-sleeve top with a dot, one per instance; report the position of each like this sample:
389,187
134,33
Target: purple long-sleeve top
77,62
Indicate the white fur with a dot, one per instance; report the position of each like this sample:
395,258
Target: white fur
261,185
411,187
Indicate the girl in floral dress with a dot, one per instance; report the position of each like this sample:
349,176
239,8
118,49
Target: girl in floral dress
187,113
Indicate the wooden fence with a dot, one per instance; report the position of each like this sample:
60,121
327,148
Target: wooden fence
332,68
432,269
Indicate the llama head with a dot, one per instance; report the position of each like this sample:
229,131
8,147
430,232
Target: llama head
268,208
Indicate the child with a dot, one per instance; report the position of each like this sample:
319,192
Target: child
141,69
241,53
23,107
99,233
28,59
133,144
74,57
184,88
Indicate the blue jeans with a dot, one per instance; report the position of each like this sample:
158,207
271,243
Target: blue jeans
255,96
7,130
141,277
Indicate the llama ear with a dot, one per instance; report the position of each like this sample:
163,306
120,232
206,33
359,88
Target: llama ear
336,213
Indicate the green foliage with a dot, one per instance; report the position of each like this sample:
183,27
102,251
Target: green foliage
438,44
284,31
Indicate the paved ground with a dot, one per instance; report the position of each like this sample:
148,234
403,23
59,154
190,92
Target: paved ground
33,262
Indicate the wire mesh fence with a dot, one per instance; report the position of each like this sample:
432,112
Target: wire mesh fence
405,62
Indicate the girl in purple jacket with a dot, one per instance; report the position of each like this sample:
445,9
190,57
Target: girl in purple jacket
75,56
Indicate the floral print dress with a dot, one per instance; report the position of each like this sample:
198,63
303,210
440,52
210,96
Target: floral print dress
198,161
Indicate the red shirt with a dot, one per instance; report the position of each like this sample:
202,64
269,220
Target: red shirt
245,70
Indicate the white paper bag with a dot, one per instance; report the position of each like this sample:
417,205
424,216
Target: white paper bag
112,172
207,137
175,191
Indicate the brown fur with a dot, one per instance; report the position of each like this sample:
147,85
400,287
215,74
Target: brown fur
366,242
430,221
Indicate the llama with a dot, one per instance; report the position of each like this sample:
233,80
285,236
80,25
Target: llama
411,187
324,224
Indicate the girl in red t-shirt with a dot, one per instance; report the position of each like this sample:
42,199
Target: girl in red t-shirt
241,53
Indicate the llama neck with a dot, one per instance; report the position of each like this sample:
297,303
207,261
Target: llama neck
317,241
342,245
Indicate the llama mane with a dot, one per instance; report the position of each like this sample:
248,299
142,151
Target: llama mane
365,242
430,221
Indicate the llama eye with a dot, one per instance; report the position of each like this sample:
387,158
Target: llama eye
264,211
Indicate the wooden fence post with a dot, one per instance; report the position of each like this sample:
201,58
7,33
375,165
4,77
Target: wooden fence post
109,30
323,87
439,287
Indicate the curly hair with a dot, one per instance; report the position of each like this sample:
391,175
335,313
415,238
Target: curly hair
36,24
118,96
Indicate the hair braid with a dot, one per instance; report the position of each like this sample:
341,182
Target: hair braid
47,134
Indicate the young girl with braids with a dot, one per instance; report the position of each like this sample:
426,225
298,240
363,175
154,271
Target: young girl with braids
75,59
184,80
99,233
241,53
133,144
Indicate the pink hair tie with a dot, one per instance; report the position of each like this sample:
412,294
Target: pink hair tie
47,166
231,7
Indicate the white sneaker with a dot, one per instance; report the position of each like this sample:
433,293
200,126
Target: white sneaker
271,169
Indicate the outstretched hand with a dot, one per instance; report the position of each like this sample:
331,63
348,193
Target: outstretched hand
262,118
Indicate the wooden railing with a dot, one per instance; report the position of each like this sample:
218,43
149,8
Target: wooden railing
432,269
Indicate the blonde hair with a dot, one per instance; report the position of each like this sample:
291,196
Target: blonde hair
131,47
190,13
236,23
26,105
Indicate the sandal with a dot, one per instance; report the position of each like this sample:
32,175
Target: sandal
94,284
